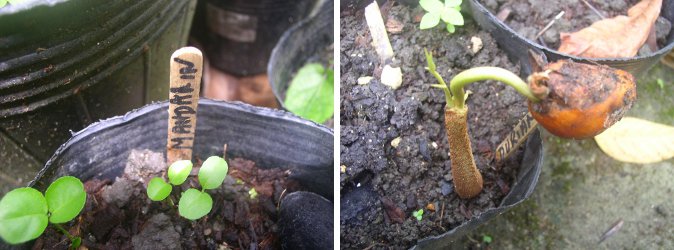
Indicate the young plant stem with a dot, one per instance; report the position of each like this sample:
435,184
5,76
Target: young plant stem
65,232
467,178
457,83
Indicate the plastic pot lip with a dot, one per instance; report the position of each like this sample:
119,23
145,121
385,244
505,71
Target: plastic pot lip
121,41
509,201
476,6
92,129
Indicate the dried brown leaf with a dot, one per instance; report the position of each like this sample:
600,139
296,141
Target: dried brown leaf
621,36
637,141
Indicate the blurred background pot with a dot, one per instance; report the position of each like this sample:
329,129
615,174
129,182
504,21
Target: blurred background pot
65,64
310,41
238,36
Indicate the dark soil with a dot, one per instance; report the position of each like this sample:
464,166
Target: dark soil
120,216
529,17
382,184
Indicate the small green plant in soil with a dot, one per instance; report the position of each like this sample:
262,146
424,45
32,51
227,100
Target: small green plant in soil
25,212
449,12
193,203
311,92
569,99
418,214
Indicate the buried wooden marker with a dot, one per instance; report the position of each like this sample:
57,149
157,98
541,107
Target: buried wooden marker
185,79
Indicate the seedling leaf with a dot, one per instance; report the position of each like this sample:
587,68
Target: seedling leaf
158,189
179,171
311,92
452,16
431,5
450,28
23,215
253,193
65,198
194,204
429,20
213,172
418,214
453,3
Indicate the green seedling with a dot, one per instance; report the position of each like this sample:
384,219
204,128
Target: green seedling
661,83
418,214
449,12
193,203
486,239
25,212
252,193
467,179
311,93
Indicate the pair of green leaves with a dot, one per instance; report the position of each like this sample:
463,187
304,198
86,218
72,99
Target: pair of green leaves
311,93
449,12
193,203
25,212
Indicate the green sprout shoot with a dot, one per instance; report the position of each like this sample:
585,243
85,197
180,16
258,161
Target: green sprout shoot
252,193
449,12
467,179
25,212
418,214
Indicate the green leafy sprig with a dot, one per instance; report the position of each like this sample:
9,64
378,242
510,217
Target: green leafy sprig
449,12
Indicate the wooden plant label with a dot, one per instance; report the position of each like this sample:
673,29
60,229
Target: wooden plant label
185,79
515,138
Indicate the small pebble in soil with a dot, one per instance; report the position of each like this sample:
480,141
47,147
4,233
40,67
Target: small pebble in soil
446,188
305,221
119,192
157,233
138,170
392,76
364,80
476,44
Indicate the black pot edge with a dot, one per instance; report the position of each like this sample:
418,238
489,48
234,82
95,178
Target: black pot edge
133,114
476,6
535,143
287,35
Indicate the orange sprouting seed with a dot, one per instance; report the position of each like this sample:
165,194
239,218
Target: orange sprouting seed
580,100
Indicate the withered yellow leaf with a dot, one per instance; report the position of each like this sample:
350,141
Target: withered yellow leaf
621,36
637,141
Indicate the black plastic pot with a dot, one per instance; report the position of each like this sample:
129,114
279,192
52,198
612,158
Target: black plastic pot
239,35
517,46
303,43
66,65
530,169
269,137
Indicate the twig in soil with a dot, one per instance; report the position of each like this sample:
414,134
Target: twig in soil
616,226
549,25
378,31
280,198
224,152
593,9
442,211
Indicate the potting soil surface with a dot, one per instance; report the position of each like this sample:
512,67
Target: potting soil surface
394,151
529,17
119,215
